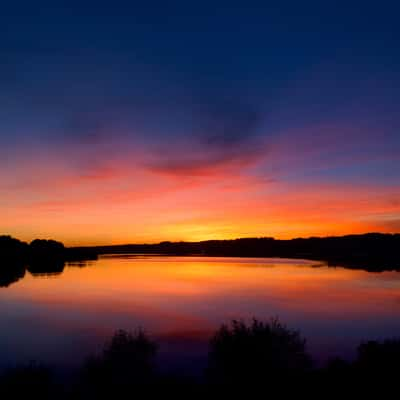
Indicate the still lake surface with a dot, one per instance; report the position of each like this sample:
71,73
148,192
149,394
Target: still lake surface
180,301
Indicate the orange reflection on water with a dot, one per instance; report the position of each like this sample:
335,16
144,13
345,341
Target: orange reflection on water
196,285
186,298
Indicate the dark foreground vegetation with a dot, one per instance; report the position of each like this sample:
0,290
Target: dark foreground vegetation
263,356
372,251
39,257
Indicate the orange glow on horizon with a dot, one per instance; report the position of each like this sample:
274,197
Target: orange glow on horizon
118,204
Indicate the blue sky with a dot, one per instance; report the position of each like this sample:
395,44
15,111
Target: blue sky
241,94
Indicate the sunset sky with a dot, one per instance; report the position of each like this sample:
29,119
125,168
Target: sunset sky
183,120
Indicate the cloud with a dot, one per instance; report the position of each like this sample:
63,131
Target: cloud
226,139
229,123
388,222
205,164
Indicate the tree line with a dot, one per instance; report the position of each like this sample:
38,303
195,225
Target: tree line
38,257
371,251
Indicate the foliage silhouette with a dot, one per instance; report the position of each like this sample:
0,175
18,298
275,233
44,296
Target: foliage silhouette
243,357
46,256
13,255
46,268
379,360
40,257
127,361
10,275
242,353
13,250
372,251
30,381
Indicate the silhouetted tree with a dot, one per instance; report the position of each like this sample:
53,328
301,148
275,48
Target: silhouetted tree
242,353
13,257
372,251
127,360
46,257
13,250
44,250
40,257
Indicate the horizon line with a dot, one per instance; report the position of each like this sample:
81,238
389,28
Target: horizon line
238,238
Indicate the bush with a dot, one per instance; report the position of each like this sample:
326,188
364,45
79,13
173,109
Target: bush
127,360
255,352
379,359
30,381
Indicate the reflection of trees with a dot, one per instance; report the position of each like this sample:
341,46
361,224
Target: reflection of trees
46,268
46,251
42,258
46,257
13,255
372,251
10,274
79,264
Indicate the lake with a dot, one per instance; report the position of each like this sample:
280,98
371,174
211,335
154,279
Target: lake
180,301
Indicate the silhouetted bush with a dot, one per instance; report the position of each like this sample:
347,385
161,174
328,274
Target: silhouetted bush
379,359
127,360
264,356
31,381
337,376
338,367
243,353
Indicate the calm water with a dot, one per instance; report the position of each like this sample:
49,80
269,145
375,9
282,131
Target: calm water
181,300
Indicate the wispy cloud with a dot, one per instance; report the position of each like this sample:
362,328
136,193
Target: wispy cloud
228,139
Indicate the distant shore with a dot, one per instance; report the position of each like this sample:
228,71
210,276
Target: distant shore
371,251
374,252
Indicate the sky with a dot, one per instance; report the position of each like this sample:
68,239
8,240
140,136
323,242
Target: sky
126,122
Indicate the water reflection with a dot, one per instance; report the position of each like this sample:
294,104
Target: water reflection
13,272
46,269
10,274
183,299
